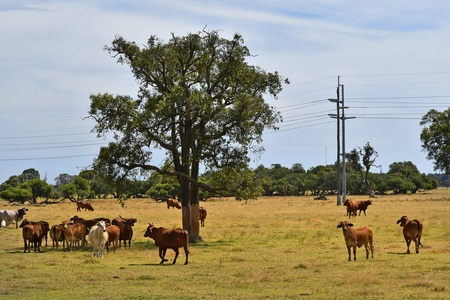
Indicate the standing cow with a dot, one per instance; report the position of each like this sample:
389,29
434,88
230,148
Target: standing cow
11,216
126,229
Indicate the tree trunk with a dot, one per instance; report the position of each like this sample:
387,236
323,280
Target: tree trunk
194,234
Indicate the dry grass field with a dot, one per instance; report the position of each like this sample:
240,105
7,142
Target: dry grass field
274,247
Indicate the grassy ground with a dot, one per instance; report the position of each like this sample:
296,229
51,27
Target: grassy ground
275,247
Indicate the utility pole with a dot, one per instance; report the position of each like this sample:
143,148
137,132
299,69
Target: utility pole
340,107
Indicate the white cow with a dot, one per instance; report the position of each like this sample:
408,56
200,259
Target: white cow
98,236
11,216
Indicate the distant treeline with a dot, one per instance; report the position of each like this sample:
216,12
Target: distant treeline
402,178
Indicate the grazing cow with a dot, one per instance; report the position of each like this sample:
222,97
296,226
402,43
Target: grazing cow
84,204
168,239
11,216
45,227
202,215
173,203
357,237
362,206
32,234
74,232
56,234
352,208
98,237
126,230
412,231
113,237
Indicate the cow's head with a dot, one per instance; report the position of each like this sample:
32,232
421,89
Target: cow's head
148,232
369,202
22,211
24,222
102,225
345,225
403,221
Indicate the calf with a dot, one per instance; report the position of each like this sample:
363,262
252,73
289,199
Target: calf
362,206
202,215
113,237
352,208
168,239
32,234
98,237
11,216
173,203
412,231
126,230
45,227
56,234
84,204
357,237
74,232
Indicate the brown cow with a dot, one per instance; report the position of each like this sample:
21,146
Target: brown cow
352,208
126,230
84,204
168,239
56,234
74,232
32,234
357,237
113,237
45,227
173,203
362,206
202,215
412,231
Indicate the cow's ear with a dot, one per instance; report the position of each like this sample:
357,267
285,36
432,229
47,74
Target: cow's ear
340,225
350,224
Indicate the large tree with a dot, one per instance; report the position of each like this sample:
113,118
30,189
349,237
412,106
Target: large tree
435,137
200,101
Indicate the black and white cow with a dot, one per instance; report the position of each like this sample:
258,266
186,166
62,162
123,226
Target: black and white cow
11,216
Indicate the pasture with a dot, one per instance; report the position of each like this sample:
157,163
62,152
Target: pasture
274,247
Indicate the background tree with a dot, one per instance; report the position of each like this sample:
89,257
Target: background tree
29,174
64,178
363,157
436,138
200,101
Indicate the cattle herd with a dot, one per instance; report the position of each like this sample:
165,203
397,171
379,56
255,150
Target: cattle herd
412,230
102,232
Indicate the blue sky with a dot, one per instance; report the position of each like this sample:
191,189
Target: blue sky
391,57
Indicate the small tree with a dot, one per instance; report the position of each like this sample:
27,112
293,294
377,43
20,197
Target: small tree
436,138
368,156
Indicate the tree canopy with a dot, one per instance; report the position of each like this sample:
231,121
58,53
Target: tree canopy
435,137
199,100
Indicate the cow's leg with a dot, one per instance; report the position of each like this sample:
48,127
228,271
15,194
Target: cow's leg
176,255
25,245
417,245
187,255
162,253
349,254
354,252
367,249
408,242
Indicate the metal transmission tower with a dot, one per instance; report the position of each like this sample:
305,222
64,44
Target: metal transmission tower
340,117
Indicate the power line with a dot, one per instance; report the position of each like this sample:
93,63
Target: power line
42,158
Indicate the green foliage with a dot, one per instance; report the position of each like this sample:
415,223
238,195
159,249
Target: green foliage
199,100
28,174
436,138
16,194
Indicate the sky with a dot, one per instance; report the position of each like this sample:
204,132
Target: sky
390,56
